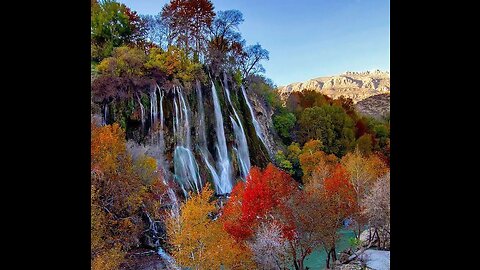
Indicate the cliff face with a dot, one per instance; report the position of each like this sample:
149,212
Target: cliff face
375,106
355,85
192,131
264,116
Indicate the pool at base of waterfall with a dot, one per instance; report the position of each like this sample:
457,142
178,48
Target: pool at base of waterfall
318,258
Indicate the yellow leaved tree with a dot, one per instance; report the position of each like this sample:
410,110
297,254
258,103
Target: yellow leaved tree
201,243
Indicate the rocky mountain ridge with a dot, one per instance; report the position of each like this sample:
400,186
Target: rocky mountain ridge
355,85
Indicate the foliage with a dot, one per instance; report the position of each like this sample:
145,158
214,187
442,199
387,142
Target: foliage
269,247
113,25
125,61
283,162
354,242
365,144
109,260
253,202
121,190
225,46
250,60
377,203
174,62
189,21
339,190
331,125
284,124
201,243
315,164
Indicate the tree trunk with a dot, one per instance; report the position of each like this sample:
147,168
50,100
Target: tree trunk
295,264
328,259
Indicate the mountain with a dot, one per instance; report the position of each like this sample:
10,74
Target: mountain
355,85
375,106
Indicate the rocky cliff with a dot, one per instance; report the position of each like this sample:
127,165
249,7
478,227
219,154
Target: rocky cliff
355,85
375,106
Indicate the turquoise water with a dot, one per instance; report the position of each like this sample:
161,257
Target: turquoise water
317,259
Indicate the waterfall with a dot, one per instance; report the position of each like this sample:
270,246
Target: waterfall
202,140
105,114
202,137
169,261
242,152
142,111
224,184
162,163
256,125
186,169
153,106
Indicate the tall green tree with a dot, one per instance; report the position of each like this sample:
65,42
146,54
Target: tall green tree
113,24
329,124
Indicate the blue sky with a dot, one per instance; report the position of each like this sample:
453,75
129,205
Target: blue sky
309,38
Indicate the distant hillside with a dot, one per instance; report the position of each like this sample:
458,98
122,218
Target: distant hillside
375,106
355,85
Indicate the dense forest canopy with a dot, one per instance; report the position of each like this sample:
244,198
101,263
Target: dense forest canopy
331,164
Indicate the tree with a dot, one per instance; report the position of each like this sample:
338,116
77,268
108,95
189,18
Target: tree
309,218
121,193
284,123
250,62
331,125
125,62
376,207
283,162
112,25
362,171
365,144
226,44
253,202
269,247
189,20
340,202
201,243
174,63
157,30
315,163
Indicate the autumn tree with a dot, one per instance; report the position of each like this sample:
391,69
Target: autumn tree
309,218
174,63
363,171
201,243
340,202
225,46
189,21
376,208
253,202
123,190
365,144
315,164
269,247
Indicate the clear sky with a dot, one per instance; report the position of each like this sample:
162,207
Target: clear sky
309,38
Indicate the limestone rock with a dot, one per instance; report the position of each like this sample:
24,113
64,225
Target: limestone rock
355,85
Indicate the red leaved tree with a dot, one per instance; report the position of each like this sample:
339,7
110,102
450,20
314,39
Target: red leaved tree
259,199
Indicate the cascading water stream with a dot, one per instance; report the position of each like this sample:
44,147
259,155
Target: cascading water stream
153,106
241,150
142,111
185,166
256,125
105,114
202,137
224,184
